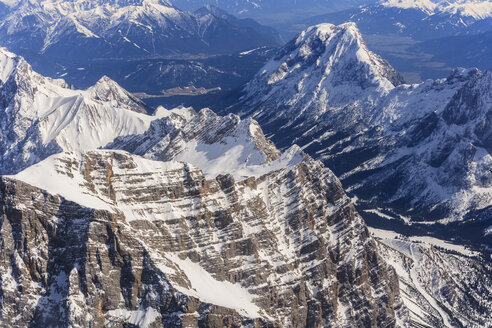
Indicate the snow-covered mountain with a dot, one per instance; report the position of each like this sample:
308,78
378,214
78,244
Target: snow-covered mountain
41,116
75,31
192,219
422,150
428,269
215,227
418,19
324,67
480,9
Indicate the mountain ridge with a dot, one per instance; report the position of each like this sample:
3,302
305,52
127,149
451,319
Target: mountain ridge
420,20
41,116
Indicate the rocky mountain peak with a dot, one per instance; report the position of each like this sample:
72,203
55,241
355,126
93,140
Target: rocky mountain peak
42,116
324,69
216,144
10,64
336,49
108,90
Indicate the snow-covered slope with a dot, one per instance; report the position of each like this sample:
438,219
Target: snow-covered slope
477,9
75,31
428,269
217,145
41,116
423,150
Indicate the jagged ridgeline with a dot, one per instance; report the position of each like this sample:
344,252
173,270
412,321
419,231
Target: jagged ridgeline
205,224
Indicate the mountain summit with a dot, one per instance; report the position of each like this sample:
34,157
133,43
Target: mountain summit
324,69
41,116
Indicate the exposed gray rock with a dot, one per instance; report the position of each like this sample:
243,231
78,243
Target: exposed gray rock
291,239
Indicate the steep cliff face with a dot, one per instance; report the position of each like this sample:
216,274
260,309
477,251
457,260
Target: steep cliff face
124,240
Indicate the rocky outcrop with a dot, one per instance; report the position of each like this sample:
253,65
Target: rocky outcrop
216,144
157,244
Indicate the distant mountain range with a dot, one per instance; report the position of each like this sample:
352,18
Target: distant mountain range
148,45
273,11
396,29
75,31
421,20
